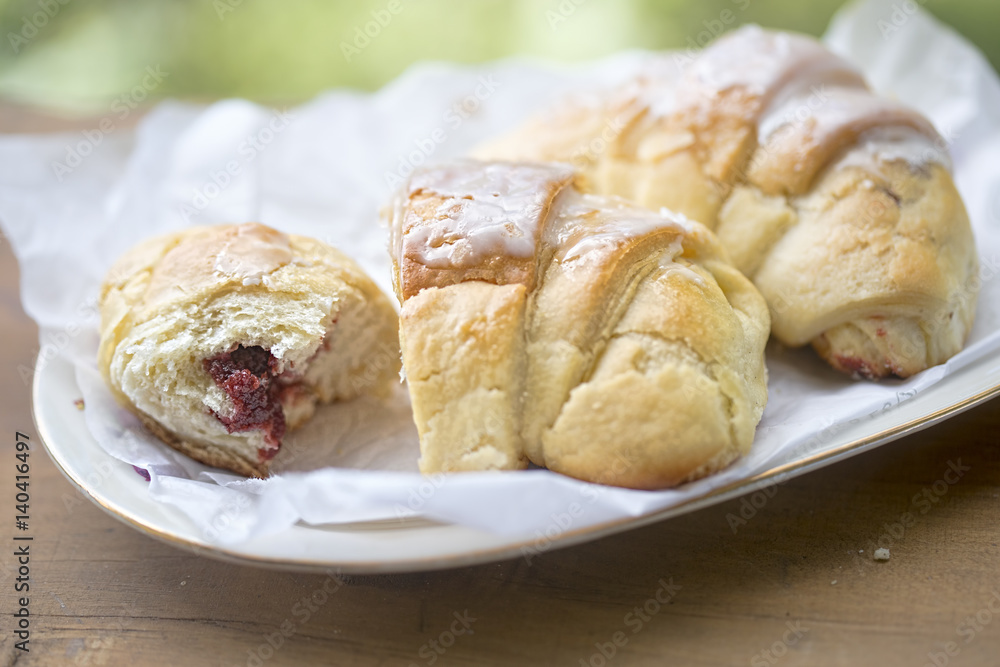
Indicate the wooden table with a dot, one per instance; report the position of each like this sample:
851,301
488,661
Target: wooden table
790,587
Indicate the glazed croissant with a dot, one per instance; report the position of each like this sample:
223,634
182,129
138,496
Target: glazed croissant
838,204
578,332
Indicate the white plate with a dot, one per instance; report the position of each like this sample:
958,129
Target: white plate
416,545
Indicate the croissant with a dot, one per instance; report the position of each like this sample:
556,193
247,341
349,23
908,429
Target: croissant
837,203
578,332
221,338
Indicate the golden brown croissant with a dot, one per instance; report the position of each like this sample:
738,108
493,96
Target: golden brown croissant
582,333
836,202
221,338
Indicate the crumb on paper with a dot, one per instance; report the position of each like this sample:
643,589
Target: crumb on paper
79,404
833,583
881,554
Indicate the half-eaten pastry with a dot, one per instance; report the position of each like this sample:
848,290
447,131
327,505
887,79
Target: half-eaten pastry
222,338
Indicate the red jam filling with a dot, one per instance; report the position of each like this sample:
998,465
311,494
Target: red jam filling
247,375
856,365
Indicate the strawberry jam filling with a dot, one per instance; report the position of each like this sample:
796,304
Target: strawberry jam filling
247,375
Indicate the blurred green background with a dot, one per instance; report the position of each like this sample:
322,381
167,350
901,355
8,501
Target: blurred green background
79,55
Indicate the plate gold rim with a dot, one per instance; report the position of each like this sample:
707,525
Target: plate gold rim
481,556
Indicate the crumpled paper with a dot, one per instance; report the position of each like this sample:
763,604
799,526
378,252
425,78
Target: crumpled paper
72,203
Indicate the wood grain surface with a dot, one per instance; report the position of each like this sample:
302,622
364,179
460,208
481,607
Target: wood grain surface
789,586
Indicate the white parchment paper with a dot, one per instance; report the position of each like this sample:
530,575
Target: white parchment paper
70,204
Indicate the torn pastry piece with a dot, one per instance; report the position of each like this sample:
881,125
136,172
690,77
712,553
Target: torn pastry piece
221,339
838,203
579,332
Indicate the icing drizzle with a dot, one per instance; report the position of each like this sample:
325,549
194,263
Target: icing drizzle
245,253
251,251
805,104
484,217
587,227
464,213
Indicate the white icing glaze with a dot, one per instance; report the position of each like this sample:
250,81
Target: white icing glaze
675,268
586,226
250,251
243,254
653,91
395,213
893,144
826,117
756,59
678,219
810,99
488,210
